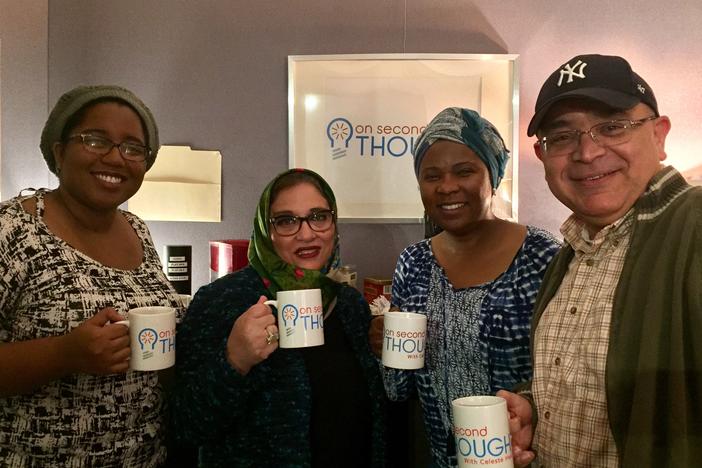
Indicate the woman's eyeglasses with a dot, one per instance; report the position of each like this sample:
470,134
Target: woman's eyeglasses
99,145
288,225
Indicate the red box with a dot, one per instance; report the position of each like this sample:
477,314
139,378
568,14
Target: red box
227,256
374,287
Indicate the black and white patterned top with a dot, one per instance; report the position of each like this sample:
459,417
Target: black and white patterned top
47,288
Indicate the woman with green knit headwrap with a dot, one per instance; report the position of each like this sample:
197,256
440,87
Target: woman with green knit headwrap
247,402
72,263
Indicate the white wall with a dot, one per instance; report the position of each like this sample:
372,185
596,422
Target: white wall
662,41
23,93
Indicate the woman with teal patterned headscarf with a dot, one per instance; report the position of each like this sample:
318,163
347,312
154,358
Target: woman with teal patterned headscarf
276,273
476,280
245,401
466,127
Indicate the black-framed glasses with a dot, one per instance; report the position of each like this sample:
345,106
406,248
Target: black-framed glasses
100,145
605,134
289,225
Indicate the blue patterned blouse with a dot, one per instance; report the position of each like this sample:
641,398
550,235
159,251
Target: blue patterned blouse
477,337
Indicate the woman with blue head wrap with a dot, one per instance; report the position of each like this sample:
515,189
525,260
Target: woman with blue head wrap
476,280
466,127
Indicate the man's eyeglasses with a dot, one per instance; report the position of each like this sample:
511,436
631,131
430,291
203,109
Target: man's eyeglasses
605,134
288,225
99,145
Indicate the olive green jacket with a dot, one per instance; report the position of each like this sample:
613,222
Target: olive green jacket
654,362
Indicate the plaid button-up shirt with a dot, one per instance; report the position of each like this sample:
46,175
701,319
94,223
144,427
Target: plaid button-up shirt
570,351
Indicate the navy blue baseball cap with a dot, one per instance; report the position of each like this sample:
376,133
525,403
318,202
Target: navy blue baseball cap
605,78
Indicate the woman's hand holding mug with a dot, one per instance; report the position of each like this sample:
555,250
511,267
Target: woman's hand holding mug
97,346
375,335
375,332
252,338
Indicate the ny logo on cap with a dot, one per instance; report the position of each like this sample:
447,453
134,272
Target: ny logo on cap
571,71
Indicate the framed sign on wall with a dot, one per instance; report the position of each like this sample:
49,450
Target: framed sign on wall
355,118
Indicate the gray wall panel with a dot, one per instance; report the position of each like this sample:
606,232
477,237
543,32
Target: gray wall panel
214,72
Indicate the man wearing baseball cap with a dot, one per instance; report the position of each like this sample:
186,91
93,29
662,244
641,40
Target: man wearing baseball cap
617,328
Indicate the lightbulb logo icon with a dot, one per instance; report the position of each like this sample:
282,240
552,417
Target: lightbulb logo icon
147,338
290,314
339,132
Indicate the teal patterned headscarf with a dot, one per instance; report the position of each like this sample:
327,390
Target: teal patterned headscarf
277,275
465,126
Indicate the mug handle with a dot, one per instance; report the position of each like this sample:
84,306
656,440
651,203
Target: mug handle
122,322
268,302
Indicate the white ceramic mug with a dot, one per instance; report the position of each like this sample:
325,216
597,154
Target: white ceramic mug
300,318
404,338
151,337
481,428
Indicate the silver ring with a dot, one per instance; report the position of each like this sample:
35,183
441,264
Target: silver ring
271,337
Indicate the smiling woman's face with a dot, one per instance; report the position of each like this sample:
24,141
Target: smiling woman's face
101,182
307,248
455,186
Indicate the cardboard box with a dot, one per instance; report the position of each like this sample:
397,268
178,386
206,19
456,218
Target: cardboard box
374,287
227,256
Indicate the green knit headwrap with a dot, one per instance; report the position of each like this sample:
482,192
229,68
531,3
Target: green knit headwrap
77,98
278,275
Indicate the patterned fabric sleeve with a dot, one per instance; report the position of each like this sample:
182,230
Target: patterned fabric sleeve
206,384
407,295
410,284
10,274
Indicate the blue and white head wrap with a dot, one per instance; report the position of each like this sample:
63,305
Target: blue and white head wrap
465,126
